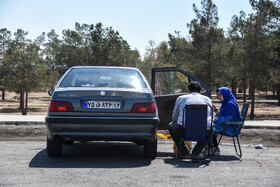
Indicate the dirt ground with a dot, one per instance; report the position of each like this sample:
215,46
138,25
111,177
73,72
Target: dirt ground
38,105
266,137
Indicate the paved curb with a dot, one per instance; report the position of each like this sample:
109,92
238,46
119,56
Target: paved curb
43,123
261,127
40,120
22,123
22,120
262,124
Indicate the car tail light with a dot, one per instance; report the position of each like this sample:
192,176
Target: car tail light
61,106
144,107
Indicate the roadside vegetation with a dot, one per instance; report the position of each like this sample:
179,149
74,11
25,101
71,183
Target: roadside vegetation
245,57
38,103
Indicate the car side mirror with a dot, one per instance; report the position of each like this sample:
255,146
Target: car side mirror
50,92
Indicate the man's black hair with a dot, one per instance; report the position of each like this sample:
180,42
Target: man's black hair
194,86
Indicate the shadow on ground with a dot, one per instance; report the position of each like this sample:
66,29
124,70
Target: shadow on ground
94,155
189,163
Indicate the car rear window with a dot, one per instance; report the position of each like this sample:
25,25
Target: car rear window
103,77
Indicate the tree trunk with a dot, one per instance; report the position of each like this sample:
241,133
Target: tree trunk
233,87
209,67
23,112
252,104
244,90
26,103
278,95
21,100
252,96
250,91
273,92
3,94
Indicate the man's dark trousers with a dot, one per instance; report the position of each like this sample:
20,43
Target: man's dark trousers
176,133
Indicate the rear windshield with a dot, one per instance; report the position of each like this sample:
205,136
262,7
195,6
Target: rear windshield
103,77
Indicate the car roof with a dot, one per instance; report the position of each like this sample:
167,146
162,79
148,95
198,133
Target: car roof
113,67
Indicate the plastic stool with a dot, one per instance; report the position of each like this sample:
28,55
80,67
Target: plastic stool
188,143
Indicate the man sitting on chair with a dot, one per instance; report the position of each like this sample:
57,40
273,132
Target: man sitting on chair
175,127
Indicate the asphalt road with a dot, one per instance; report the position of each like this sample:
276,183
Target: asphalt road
25,163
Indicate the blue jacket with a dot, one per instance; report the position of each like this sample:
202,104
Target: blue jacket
229,111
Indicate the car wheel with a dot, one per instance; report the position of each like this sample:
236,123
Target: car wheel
68,142
54,147
138,143
150,149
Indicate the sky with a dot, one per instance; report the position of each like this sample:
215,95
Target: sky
137,21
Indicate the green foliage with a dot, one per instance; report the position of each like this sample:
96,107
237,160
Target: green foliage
5,40
24,64
248,54
180,50
207,41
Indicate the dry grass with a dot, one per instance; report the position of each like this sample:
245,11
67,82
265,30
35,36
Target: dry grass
38,105
39,102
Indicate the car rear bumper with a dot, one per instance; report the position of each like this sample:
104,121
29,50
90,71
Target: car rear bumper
102,128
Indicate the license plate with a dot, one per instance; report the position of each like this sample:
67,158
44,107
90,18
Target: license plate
103,104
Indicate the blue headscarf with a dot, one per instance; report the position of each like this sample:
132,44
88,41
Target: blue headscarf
229,99
229,110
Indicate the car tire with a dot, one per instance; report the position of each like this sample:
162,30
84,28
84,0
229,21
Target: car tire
68,142
138,143
54,147
150,149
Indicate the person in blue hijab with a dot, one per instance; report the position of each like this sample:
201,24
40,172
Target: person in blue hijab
229,111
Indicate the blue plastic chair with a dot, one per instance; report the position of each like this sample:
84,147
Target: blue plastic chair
237,132
195,123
